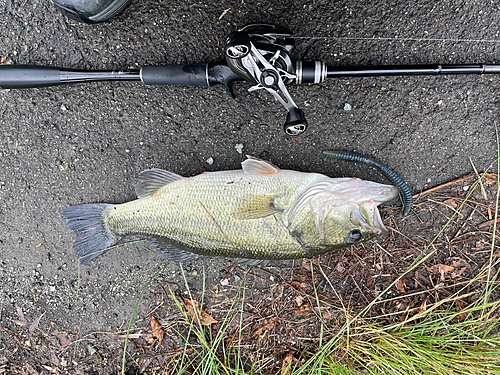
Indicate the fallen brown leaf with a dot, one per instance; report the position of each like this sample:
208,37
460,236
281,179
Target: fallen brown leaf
33,326
340,268
3,59
449,203
295,284
442,268
299,300
22,320
199,315
490,178
63,338
459,263
150,339
369,280
267,326
400,285
286,368
303,309
157,329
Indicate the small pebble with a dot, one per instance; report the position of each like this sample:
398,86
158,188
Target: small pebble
224,282
210,161
239,148
347,107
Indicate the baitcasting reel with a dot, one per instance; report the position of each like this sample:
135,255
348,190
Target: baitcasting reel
260,54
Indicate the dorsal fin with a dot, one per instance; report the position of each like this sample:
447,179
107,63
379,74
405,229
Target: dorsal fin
151,180
254,166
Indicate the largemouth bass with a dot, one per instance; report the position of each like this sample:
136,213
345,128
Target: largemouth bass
259,212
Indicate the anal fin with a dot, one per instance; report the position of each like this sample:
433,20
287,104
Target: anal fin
170,250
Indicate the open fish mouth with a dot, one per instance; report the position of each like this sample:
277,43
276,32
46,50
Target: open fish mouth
368,216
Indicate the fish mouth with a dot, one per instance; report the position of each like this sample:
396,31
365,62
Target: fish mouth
368,216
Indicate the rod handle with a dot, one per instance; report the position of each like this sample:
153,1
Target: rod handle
28,76
177,74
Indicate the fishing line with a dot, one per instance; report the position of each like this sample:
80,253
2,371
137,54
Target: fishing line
401,39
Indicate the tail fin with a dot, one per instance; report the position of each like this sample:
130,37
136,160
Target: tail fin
92,233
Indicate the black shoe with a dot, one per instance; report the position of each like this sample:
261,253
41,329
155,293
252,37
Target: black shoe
90,11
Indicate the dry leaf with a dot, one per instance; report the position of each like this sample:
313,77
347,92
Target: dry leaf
459,263
63,338
326,315
22,320
286,368
157,330
3,59
150,338
295,284
31,370
423,306
199,315
54,359
369,280
490,178
340,268
299,300
303,309
33,326
267,326
400,285
442,268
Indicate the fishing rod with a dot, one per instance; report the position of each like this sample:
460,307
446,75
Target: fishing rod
258,53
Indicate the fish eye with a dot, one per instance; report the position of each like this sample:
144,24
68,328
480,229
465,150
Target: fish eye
355,235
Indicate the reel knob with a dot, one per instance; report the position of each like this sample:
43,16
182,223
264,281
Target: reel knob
296,122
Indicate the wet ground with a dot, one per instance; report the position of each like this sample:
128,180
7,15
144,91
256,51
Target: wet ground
87,143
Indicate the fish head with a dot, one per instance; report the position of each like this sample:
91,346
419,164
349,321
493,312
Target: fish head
342,212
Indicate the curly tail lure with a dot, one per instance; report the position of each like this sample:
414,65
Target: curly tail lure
393,177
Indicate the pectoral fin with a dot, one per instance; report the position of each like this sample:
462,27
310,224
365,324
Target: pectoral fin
257,207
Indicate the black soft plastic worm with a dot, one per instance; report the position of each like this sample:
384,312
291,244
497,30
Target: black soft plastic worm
393,177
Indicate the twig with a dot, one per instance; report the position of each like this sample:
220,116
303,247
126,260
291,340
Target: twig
457,180
218,226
